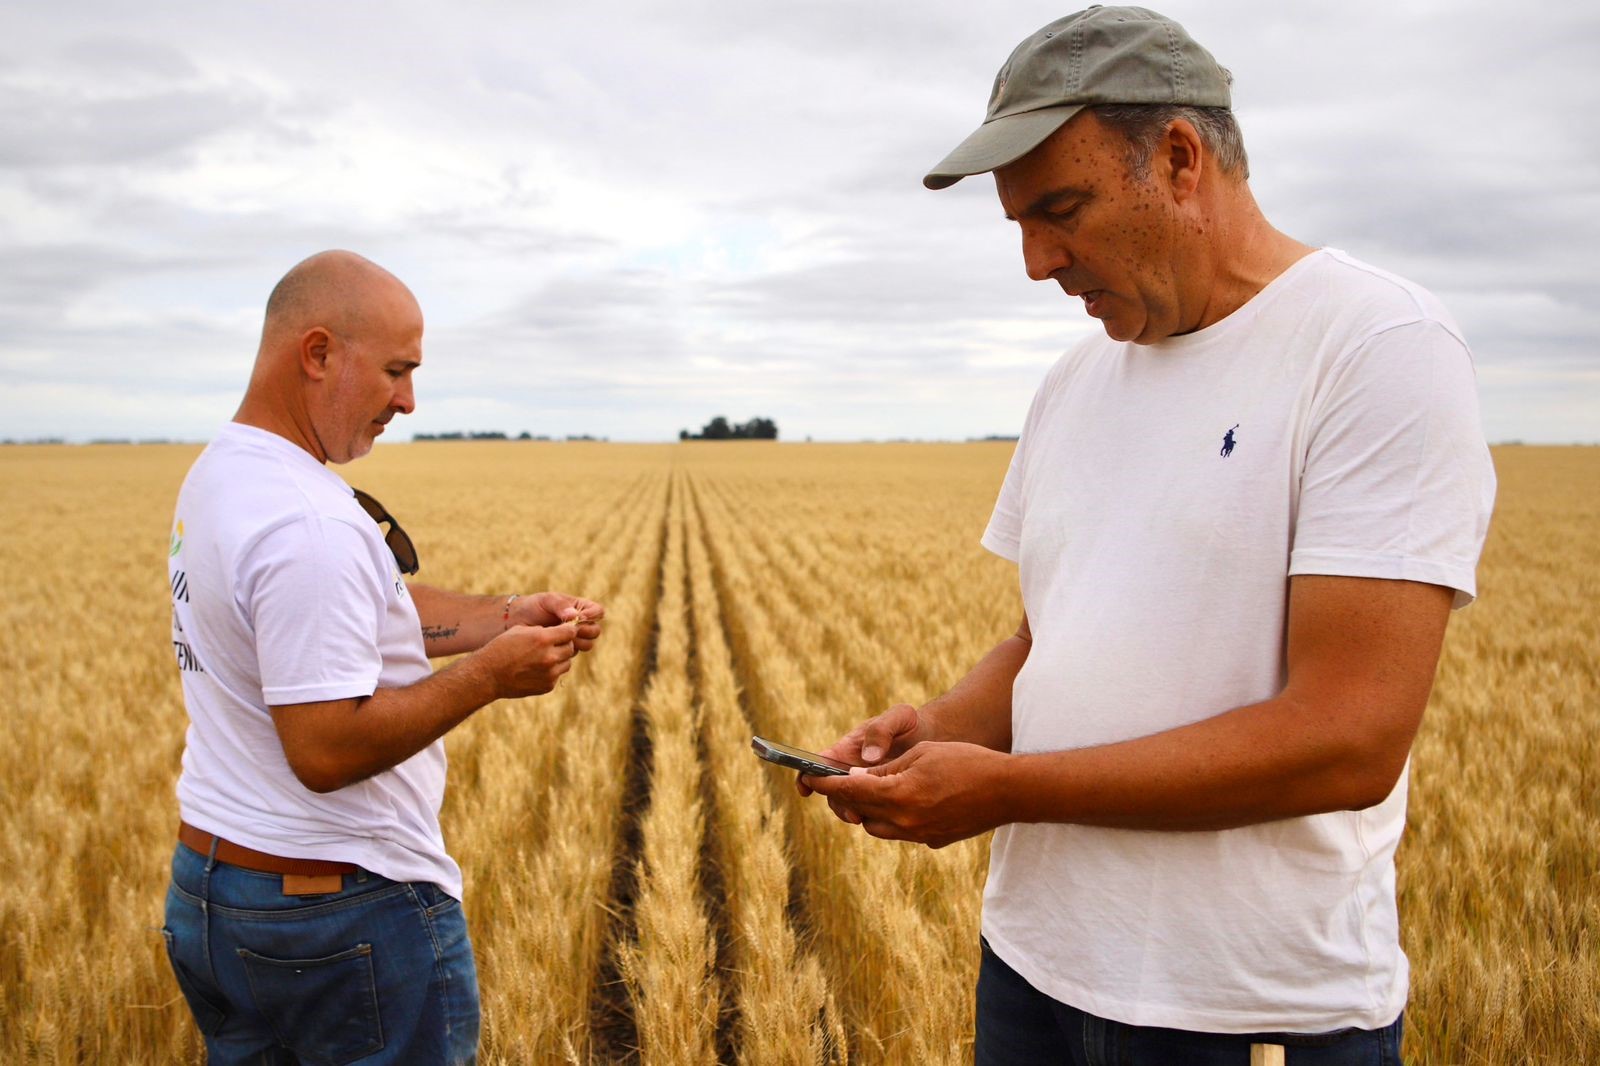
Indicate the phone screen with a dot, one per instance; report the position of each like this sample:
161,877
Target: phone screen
796,758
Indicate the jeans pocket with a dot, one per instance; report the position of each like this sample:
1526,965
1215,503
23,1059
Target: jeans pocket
208,1012
324,1010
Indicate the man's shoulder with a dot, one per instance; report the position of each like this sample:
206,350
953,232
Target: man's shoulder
1374,299
239,491
252,470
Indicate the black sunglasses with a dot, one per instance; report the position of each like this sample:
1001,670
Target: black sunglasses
405,553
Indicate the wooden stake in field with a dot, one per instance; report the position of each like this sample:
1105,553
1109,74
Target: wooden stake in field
1266,1055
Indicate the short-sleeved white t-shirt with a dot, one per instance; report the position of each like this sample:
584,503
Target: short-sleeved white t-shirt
284,592
1158,502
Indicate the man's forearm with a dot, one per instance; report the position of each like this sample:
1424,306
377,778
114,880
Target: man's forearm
977,710
1259,763
1361,658
333,743
456,622
1361,655
350,740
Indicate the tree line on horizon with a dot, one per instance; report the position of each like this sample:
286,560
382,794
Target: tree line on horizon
719,429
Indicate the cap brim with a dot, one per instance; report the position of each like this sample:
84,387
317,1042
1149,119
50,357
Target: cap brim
998,142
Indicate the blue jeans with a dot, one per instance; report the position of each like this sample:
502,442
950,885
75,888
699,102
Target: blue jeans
1018,1025
378,972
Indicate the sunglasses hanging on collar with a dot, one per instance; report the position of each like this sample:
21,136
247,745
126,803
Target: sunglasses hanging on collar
405,553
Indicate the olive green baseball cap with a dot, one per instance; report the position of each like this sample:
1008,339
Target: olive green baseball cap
1103,55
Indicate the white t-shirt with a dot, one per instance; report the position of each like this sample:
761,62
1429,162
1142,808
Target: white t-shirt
1159,499
284,592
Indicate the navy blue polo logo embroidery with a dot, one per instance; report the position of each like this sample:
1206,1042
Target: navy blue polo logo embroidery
1227,441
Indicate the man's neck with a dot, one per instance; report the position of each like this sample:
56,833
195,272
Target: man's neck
1246,254
274,417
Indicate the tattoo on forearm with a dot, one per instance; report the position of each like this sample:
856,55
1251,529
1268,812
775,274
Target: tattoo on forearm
438,632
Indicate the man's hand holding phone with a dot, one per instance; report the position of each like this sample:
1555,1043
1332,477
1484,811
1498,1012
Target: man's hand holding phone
874,741
893,778
934,793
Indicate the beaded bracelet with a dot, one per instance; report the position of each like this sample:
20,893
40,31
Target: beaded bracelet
505,614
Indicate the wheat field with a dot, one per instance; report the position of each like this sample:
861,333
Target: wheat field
639,887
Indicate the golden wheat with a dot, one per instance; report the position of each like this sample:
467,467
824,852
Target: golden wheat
670,970
639,887
786,1016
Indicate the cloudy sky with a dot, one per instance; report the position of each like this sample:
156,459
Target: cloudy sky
624,218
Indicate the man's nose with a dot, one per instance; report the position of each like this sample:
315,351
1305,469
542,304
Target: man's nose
405,400
1042,254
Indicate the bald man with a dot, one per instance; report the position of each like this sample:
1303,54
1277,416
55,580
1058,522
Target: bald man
314,914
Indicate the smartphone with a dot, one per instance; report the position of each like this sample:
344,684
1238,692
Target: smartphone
807,762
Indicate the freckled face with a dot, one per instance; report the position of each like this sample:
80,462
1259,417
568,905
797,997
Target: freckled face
1099,232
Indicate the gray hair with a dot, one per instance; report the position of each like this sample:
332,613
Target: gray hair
1143,126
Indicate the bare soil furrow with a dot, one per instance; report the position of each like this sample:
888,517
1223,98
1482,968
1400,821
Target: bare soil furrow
612,1017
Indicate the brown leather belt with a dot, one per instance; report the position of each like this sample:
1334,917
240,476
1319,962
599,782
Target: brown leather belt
248,859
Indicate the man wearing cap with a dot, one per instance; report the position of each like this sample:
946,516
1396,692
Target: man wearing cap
1241,519
313,913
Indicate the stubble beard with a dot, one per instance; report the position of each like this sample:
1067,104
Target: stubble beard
353,427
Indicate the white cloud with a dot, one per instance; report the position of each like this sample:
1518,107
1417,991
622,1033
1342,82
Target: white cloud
622,221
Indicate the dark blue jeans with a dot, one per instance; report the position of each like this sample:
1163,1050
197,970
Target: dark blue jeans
379,972
1018,1025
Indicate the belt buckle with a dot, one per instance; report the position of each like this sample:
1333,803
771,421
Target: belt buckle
312,884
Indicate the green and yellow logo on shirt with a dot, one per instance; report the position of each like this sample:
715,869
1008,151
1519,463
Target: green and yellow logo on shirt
177,540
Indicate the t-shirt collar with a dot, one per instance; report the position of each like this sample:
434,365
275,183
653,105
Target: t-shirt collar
283,447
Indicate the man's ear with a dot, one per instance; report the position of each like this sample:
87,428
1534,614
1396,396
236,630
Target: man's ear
314,350
1182,157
